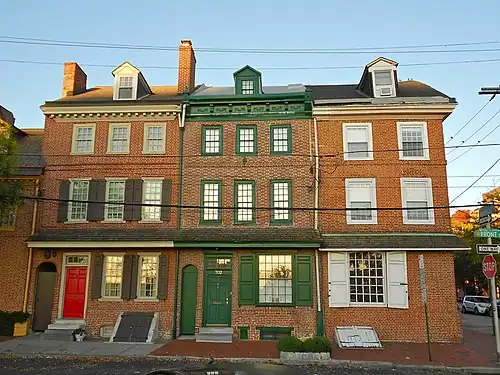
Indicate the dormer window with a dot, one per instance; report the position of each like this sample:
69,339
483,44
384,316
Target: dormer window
247,87
383,82
247,81
379,78
130,84
126,87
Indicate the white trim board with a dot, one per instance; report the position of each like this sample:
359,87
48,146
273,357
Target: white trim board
394,249
99,244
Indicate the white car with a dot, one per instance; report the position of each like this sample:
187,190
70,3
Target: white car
476,304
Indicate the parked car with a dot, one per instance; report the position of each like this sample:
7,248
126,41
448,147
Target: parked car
476,304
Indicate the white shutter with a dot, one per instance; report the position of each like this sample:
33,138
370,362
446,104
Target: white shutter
338,280
397,281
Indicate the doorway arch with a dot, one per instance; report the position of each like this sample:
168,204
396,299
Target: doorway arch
46,274
189,299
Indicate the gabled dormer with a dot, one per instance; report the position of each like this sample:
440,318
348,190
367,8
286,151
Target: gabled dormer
379,78
130,84
247,81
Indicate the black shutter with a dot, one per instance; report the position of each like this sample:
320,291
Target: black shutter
162,277
133,276
62,213
129,198
166,199
97,276
127,273
137,208
97,193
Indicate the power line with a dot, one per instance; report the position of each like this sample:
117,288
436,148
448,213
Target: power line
471,185
468,122
477,144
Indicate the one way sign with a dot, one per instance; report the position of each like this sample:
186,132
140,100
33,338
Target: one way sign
488,249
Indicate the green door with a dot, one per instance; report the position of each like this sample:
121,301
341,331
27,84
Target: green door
188,299
218,299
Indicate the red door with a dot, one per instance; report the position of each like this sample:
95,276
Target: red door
74,292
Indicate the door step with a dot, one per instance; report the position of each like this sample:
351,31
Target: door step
62,329
215,334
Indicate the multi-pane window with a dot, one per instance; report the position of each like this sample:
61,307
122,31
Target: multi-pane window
383,78
212,140
281,139
366,277
112,278
79,191
210,201
247,87
383,83
83,139
245,201
275,279
358,142
154,138
246,140
148,276
416,193
360,195
126,87
8,219
119,138
413,141
281,201
151,190
115,193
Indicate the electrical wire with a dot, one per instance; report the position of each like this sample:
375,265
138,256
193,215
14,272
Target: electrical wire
477,144
469,121
471,185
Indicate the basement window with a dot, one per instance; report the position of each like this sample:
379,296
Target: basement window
273,333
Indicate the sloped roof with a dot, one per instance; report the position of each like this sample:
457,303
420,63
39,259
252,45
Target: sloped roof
31,162
105,94
229,90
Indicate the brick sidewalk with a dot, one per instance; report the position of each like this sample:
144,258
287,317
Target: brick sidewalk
478,350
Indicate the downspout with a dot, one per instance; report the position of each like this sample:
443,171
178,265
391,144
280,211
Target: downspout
30,250
320,326
182,119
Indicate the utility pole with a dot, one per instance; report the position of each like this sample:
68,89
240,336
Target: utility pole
490,91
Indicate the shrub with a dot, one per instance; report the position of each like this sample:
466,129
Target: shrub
317,344
290,344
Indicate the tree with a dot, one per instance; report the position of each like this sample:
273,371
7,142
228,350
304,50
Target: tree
10,190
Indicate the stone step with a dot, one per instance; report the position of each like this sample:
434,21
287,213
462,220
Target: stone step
58,334
216,330
65,324
201,337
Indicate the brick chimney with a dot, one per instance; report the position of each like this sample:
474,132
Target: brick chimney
74,81
187,67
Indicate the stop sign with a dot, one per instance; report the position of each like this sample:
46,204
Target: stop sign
489,266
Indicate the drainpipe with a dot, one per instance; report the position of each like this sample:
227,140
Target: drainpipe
30,250
182,119
320,327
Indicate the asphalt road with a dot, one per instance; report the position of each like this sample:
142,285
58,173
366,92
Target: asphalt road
60,366
478,323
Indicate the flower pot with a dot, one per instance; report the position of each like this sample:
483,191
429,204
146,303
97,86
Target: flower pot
21,329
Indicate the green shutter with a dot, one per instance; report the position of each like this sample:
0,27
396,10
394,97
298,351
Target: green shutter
302,278
248,280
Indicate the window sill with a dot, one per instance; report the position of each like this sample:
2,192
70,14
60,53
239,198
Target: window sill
414,158
109,299
244,223
114,221
76,221
118,153
281,223
273,153
82,153
351,222
210,223
153,152
431,222
146,299
367,305
150,221
7,229
359,159
219,154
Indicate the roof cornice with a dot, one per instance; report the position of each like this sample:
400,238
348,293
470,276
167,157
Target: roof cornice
444,109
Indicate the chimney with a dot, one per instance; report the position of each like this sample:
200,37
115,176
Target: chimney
187,67
74,81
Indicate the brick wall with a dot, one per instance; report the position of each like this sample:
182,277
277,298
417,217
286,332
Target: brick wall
407,324
14,264
387,169
261,167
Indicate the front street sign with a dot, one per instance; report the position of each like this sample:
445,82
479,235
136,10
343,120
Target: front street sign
488,249
487,233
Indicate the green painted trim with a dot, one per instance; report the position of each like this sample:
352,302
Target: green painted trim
227,272
239,118
289,221
202,203
289,139
320,323
239,84
235,203
255,138
282,97
276,329
229,244
385,234
221,140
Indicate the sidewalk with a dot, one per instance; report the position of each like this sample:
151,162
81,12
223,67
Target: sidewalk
33,345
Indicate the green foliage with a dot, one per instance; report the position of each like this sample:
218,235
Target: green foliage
290,344
10,191
317,344
7,320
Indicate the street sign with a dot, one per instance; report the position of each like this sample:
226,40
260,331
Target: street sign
487,233
486,210
488,249
485,220
423,279
489,266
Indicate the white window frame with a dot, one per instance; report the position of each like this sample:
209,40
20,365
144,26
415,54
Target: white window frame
145,144
110,138
345,127
425,140
108,180
138,286
70,204
429,196
103,283
116,91
150,179
73,140
375,69
350,184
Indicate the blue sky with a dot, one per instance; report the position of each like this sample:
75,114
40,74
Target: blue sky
264,25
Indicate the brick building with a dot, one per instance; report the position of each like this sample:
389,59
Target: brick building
381,145
18,224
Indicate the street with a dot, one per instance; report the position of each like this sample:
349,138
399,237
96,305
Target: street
91,366
479,323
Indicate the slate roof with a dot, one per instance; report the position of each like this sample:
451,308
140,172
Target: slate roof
236,236
229,90
29,145
389,241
